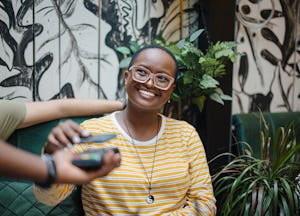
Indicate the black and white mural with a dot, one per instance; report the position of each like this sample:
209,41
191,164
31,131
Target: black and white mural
267,75
66,48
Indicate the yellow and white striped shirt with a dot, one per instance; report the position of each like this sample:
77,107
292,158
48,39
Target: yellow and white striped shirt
181,183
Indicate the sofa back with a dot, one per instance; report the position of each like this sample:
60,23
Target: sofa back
246,127
16,196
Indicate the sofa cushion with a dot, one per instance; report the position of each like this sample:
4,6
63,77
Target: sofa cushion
17,199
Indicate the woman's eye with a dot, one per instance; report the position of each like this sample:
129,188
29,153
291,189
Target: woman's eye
141,72
162,79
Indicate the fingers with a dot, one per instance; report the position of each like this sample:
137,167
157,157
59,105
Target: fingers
63,135
111,160
68,173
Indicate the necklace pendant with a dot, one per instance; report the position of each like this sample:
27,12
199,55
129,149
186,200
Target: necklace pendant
150,199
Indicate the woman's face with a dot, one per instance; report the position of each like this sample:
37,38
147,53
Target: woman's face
145,95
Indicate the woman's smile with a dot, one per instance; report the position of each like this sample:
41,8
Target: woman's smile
147,93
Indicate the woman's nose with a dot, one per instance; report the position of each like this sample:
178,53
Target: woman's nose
150,82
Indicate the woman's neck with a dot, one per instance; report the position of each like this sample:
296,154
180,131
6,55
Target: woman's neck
140,125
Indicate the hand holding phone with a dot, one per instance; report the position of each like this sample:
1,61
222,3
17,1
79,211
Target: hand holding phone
92,158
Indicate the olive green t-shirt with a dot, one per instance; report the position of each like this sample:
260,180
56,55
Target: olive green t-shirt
12,114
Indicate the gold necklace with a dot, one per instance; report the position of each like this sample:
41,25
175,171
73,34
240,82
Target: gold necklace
150,198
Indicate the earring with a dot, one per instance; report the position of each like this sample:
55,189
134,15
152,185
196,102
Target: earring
169,101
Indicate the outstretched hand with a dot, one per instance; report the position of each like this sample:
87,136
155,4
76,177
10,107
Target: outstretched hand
64,135
68,173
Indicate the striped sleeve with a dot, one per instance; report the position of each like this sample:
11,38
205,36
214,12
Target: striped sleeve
200,196
54,195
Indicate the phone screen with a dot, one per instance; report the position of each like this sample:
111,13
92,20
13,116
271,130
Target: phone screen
88,155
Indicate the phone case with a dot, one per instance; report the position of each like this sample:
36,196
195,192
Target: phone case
91,159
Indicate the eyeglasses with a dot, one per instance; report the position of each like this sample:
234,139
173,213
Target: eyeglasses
142,75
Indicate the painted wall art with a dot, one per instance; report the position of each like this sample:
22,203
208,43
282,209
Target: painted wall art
66,48
267,76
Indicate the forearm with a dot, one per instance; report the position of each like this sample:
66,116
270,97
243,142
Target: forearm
79,107
37,112
20,164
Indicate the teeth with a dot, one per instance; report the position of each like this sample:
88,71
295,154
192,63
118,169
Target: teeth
147,93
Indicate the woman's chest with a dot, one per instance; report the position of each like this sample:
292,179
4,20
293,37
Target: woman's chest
164,168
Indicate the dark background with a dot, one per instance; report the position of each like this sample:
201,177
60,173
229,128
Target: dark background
214,123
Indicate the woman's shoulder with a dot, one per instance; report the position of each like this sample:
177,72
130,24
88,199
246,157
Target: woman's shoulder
98,120
171,122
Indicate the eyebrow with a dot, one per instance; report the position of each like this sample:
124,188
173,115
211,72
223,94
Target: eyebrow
164,72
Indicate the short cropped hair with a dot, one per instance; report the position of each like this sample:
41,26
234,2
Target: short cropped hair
136,54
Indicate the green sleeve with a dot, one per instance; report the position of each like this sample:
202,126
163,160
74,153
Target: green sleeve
12,114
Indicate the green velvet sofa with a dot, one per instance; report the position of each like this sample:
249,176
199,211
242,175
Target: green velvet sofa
246,127
16,196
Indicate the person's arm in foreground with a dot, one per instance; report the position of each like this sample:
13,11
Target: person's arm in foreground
18,163
41,111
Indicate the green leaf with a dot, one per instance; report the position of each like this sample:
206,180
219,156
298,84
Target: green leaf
276,192
134,46
224,53
187,78
201,60
124,50
199,101
285,206
216,97
208,82
196,34
124,62
226,97
175,97
288,192
181,43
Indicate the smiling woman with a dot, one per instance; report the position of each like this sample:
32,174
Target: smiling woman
164,168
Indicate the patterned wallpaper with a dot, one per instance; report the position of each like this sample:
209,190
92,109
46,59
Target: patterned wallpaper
65,48
267,76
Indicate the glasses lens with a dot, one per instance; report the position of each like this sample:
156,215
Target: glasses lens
142,75
162,81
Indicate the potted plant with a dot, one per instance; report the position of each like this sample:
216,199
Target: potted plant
264,185
198,71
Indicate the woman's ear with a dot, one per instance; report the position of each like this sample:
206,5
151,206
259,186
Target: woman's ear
126,74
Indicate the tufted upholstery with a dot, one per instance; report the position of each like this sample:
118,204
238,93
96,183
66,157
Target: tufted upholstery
17,199
247,126
16,196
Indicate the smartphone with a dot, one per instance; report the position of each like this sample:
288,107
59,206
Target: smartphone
97,138
91,159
